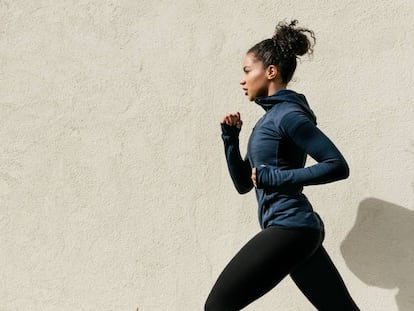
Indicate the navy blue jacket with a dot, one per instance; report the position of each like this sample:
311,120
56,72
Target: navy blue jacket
277,147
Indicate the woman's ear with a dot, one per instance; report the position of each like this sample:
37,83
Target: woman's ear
271,72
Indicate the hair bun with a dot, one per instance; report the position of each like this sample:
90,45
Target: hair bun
292,41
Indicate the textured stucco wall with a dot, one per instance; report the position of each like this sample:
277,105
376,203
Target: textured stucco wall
114,193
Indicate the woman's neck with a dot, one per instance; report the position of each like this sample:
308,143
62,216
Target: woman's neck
274,87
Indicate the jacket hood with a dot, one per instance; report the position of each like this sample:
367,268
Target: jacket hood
284,95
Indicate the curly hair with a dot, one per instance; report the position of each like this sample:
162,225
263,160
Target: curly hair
284,47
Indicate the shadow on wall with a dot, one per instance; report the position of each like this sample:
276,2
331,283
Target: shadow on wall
379,249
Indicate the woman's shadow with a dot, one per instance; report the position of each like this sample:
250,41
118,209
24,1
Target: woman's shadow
379,249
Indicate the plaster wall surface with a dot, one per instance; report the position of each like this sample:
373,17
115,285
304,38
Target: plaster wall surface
114,191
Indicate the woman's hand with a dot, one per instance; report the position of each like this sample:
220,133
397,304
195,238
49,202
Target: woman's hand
254,177
232,119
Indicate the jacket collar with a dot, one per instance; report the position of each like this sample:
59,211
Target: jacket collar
267,102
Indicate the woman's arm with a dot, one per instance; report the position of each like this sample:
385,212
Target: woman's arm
303,132
239,169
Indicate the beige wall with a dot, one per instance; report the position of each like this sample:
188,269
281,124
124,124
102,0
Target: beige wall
114,193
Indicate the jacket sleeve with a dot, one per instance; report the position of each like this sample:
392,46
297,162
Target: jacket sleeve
239,169
303,132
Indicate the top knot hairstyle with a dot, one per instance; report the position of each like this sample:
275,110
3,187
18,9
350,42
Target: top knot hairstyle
287,44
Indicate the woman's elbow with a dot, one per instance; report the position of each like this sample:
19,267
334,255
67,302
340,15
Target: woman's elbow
243,188
342,170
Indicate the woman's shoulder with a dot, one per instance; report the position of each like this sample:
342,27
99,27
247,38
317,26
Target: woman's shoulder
279,111
286,115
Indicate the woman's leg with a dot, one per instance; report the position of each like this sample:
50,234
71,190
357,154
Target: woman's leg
321,283
260,265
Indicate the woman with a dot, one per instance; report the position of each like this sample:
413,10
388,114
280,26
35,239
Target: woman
292,233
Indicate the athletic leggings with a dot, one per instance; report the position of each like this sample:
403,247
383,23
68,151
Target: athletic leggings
271,255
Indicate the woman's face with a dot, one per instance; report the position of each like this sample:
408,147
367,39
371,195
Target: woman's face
254,81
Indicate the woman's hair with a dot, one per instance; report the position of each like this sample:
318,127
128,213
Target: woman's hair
284,47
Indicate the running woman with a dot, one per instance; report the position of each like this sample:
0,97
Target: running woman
290,242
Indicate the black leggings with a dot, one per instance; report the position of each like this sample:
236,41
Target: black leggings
271,255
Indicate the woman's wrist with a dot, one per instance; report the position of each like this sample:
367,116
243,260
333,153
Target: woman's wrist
229,130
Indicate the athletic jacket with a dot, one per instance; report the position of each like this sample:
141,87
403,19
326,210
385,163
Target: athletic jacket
277,147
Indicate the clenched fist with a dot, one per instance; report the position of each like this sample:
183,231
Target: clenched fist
232,119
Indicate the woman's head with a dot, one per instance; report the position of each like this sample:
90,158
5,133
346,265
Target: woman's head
273,61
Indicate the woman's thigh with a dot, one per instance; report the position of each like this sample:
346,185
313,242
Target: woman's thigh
260,265
321,283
